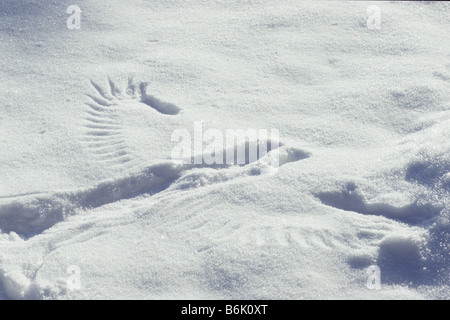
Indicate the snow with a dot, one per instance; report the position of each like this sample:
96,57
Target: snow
93,207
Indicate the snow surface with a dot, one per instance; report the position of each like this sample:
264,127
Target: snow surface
92,207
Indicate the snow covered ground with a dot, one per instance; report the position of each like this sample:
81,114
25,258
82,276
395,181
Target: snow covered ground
92,206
